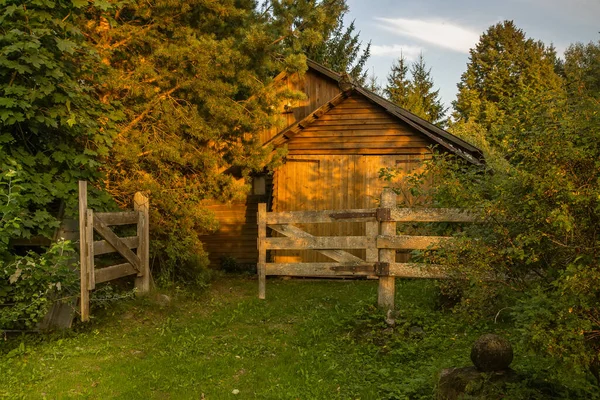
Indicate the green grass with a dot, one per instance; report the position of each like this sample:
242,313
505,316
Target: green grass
307,340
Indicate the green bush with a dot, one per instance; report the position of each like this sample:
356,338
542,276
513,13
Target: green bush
30,284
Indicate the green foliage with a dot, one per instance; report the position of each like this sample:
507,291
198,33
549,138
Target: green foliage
29,284
415,94
53,128
503,65
533,259
340,51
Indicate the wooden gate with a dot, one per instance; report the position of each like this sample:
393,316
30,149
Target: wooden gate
137,263
380,242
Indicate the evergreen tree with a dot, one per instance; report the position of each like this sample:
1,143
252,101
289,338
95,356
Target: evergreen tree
195,78
422,100
341,51
503,66
415,94
397,88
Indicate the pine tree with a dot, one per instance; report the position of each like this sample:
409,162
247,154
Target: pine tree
503,66
422,100
341,51
415,94
397,88
194,78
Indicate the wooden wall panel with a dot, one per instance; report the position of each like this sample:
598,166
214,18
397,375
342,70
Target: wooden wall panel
237,234
318,90
357,126
311,182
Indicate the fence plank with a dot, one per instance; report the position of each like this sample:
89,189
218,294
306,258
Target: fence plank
416,270
336,255
115,241
431,215
141,205
320,242
408,242
315,217
262,250
84,301
118,218
320,269
103,247
387,284
114,272
89,251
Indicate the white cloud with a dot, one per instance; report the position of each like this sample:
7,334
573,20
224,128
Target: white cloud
411,53
438,32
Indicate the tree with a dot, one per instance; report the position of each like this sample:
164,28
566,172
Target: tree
417,94
397,88
538,201
341,51
195,79
54,130
503,65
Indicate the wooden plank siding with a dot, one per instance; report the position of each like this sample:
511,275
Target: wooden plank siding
318,90
357,126
237,233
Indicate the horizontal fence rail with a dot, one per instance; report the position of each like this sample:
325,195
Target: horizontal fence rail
100,223
380,242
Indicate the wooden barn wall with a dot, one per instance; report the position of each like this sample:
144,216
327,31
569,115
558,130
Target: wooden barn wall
358,126
345,181
237,234
318,90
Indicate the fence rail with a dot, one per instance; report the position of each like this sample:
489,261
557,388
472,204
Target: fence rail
380,242
100,222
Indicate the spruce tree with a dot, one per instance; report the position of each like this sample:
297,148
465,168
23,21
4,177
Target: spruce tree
503,66
341,51
415,94
397,88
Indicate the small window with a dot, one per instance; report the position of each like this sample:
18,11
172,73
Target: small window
259,185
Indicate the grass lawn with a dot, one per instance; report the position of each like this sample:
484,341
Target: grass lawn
307,340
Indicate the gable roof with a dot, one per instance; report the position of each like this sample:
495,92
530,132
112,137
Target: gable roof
441,137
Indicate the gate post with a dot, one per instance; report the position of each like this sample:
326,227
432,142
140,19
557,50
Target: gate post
141,204
84,300
262,252
387,284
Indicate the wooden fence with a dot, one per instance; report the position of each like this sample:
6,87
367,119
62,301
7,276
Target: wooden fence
380,242
100,222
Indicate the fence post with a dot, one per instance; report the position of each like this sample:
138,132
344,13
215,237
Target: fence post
84,301
387,289
141,204
262,252
89,249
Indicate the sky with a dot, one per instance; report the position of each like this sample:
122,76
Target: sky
445,30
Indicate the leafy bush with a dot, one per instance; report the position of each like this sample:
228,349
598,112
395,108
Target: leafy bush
29,284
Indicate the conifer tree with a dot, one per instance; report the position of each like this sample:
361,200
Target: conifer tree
397,88
194,78
504,65
341,51
415,94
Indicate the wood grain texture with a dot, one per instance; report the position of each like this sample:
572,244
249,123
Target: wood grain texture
262,250
84,294
104,231
386,291
118,218
114,272
103,247
141,205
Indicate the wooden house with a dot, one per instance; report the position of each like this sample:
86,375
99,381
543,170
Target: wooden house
338,139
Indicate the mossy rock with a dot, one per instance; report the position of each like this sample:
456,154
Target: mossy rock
491,353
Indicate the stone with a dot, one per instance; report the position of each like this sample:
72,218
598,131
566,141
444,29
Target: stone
491,353
163,300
